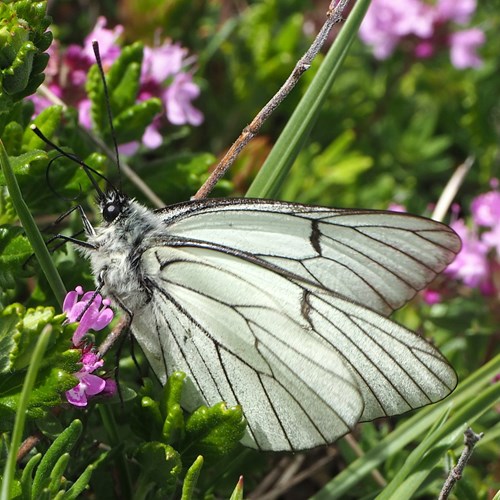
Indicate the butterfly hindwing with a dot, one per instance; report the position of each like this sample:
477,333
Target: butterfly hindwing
305,364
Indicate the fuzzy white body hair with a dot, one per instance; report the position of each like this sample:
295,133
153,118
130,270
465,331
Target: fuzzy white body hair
115,246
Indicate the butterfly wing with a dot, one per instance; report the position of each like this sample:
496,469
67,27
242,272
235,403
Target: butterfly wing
376,258
305,363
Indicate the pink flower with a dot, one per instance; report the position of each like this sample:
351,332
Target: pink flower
471,264
492,239
107,39
162,62
485,209
87,310
163,67
431,297
89,384
387,22
425,28
458,11
396,207
463,47
178,97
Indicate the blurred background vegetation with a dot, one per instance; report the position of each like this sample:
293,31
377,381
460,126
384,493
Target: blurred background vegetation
391,131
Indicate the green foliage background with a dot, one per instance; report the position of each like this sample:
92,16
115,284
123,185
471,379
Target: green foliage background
391,131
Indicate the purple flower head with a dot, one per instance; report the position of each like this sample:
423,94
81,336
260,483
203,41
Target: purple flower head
89,384
458,11
161,62
463,48
485,209
178,97
86,308
471,264
431,297
387,22
107,39
424,27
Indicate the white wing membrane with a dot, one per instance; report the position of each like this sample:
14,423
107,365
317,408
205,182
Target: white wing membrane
278,307
305,364
378,259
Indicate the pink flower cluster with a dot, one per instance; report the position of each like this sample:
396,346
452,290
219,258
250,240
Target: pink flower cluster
478,263
93,313
163,75
424,28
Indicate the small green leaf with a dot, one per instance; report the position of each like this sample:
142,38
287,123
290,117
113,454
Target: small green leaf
14,252
27,476
80,485
191,479
216,430
57,479
21,164
160,468
22,40
173,425
238,490
63,444
132,122
48,122
123,84
12,138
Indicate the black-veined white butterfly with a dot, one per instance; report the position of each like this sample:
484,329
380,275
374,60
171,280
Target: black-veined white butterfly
278,307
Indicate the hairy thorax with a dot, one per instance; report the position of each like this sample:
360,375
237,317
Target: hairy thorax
115,258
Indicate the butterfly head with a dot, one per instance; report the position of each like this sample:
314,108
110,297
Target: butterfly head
113,205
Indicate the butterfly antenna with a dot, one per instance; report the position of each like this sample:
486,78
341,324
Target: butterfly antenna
88,169
95,46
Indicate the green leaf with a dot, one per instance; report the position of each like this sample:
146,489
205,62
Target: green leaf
48,122
81,484
27,475
191,479
31,229
237,493
62,445
123,84
160,468
12,138
8,483
23,40
216,430
173,426
19,333
15,250
57,479
131,123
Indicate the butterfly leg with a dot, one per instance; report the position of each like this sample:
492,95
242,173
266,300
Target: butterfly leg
123,325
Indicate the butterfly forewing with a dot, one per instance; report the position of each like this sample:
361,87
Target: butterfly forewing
378,259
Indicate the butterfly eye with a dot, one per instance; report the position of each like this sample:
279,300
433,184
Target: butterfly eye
111,212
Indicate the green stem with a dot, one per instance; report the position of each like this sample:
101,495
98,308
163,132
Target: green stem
31,229
277,165
109,423
17,432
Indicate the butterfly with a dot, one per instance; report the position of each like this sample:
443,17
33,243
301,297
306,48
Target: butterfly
279,307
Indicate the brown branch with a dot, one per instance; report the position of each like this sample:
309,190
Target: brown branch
470,440
333,16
